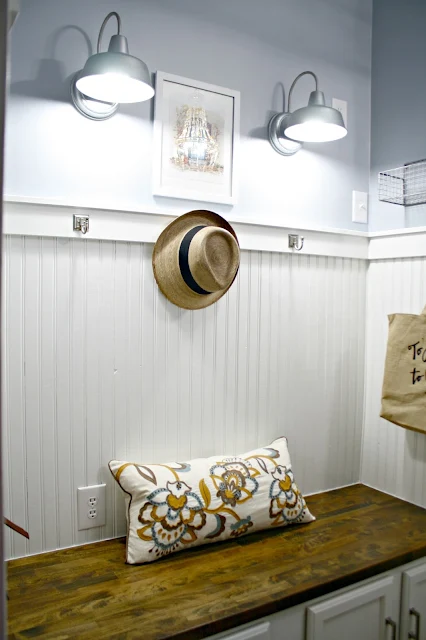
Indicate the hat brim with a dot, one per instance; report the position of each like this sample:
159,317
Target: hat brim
165,260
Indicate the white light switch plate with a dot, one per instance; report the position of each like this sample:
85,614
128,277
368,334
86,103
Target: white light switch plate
91,506
360,207
342,106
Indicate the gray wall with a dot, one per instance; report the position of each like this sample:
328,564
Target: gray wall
398,96
251,46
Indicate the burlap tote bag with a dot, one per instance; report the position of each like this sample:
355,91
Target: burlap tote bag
404,384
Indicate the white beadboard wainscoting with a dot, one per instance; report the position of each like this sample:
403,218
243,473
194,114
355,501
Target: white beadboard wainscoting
98,364
394,459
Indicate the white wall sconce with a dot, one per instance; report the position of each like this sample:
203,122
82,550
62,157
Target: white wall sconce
313,123
110,77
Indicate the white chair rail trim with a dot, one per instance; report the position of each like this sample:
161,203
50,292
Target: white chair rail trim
37,217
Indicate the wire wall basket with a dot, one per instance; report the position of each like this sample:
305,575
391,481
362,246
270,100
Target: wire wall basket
405,185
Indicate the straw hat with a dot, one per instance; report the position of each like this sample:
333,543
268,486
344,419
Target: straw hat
196,259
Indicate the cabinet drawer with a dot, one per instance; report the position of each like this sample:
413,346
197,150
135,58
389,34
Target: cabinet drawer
259,631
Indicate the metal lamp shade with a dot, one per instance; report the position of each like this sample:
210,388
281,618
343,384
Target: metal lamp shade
115,76
316,122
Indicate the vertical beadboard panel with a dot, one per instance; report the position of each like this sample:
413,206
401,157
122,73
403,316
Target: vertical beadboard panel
15,402
48,359
7,500
63,370
107,376
32,392
98,364
393,459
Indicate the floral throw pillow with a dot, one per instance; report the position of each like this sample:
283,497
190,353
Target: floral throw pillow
180,505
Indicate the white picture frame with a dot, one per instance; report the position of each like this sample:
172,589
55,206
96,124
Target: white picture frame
201,166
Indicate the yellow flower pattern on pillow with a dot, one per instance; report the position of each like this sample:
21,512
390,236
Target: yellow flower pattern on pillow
174,506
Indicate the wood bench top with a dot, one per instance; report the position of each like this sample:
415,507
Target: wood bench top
89,592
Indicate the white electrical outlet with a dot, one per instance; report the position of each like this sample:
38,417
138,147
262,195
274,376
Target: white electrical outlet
342,106
91,506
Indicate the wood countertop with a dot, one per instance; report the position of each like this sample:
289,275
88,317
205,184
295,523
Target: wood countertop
89,592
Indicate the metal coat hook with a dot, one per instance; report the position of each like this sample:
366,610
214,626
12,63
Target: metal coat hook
293,242
81,223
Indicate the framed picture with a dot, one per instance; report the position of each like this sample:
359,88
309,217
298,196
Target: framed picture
196,135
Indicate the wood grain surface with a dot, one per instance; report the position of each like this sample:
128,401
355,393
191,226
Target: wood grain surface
89,592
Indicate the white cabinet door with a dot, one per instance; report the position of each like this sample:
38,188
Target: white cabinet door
413,604
369,612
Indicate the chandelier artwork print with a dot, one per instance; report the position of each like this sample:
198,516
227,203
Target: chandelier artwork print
195,140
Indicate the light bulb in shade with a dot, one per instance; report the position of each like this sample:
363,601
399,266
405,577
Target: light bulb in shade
114,87
315,131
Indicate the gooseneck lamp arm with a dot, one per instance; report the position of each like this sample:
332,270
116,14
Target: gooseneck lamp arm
276,128
101,30
304,73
